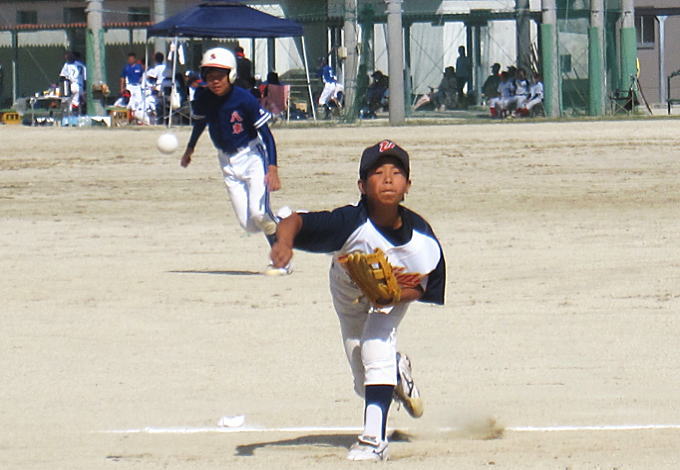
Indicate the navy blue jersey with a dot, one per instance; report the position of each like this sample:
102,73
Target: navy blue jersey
234,119
413,246
133,73
328,74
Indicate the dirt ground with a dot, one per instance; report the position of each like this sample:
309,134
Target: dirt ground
131,299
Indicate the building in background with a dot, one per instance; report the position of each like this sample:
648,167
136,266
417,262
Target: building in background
34,35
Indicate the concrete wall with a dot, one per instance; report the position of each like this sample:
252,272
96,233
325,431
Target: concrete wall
649,58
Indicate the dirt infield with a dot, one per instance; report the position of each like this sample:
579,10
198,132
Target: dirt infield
131,299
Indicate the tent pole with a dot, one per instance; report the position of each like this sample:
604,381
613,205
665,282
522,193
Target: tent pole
145,113
15,65
174,82
309,85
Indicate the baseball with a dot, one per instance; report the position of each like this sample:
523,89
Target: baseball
167,143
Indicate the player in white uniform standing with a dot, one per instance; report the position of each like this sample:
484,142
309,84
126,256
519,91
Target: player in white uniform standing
153,87
72,72
245,146
369,332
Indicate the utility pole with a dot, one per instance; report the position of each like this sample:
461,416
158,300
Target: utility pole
663,91
596,76
628,45
158,16
395,58
550,56
94,46
351,61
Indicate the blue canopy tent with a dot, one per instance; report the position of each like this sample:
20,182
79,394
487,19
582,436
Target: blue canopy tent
225,19
229,19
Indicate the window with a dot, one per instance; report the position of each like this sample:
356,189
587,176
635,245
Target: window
645,29
565,63
75,15
27,17
139,14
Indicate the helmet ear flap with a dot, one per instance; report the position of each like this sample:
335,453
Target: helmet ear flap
232,75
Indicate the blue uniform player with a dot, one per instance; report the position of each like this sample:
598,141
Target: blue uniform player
369,332
331,87
131,80
245,146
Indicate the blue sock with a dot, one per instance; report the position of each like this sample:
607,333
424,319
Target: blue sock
378,401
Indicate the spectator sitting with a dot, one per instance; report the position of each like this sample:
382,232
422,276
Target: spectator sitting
521,91
272,79
446,94
535,96
273,95
376,93
490,87
123,100
506,90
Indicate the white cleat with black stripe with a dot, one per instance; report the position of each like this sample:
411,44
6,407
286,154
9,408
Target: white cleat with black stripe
406,393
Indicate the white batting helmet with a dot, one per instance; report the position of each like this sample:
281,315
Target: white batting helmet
220,58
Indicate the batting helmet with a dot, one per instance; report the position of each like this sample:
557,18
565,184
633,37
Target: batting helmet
220,58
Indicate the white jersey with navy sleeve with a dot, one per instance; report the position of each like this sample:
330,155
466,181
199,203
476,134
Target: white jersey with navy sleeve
369,334
347,229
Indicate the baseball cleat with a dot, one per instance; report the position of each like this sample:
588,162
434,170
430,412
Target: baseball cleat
406,392
368,448
271,270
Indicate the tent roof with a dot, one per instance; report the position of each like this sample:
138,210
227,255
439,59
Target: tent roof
225,20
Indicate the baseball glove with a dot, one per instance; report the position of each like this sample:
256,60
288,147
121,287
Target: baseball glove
375,276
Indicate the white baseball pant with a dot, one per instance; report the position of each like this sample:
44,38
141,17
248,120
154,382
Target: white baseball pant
370,339
530,104
330,91
244,176
75,94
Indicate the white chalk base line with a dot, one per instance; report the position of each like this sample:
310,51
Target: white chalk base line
298,429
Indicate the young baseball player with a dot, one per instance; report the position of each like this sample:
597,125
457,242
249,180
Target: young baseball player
131,80
72,73
369,332
331,87
245,145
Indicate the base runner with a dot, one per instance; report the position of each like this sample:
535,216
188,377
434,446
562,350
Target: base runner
245,146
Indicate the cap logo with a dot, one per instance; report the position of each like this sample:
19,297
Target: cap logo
213,56
386,145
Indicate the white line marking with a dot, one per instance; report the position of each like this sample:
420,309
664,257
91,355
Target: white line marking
297,429
613,427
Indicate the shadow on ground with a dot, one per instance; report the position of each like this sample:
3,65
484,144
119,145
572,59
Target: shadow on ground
218,272
343,441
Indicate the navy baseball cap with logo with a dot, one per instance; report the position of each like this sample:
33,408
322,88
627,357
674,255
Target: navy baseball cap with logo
385,148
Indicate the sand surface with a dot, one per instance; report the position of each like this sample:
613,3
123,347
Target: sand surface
131,299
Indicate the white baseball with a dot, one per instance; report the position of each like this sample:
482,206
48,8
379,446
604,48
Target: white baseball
167,143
